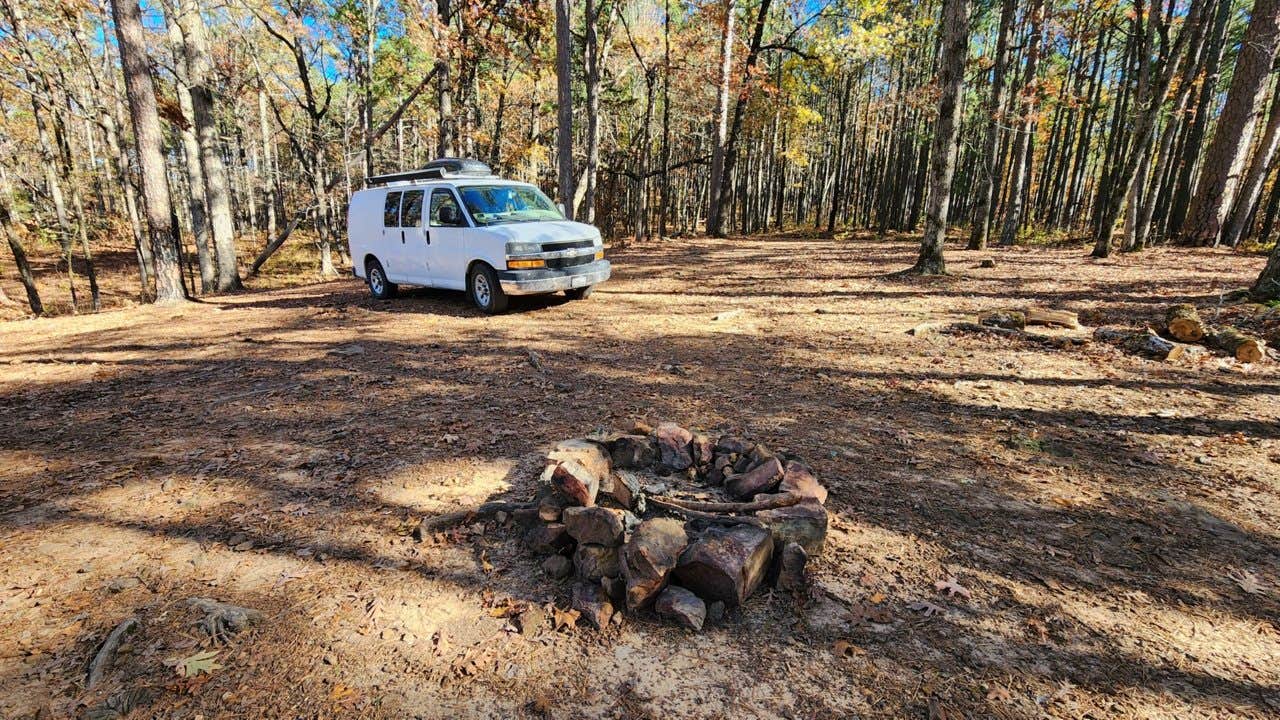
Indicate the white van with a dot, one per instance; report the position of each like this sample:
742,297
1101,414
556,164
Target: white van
454,225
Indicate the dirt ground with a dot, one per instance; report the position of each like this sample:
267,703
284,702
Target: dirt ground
1111,521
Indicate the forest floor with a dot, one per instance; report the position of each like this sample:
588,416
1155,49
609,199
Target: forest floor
1113,521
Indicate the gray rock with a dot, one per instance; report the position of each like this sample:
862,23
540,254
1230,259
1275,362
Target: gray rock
634,452
531,620
591,600
791,563
595,525
798,479
616,589
732,445
596,561
558,567
715,612
546,538
804,523
677,603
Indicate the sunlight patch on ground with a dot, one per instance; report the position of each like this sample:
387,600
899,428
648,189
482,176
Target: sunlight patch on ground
444,485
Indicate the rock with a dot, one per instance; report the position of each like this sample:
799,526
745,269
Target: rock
222,620
586,453
760,453
804,523
574,481
726,564
730,445
121,584
591,600
634,452
548,538
594,525
791,562
640,427
798,479
626,489
987,263
550,506
649,556
531,620
760,479
715,612
596,561
616,589
558,567
702,449
673,446
106,653
684,607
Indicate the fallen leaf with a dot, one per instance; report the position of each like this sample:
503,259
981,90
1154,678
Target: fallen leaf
999,694
952,588
1248,581
564,618
845,649
342,693
202,662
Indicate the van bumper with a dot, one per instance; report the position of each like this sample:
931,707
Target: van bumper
534,282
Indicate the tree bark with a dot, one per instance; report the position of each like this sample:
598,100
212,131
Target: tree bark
1251,188
146,127
715,224
1018,165
1225,158
1267,286
942,155
981,226
721,117
564,110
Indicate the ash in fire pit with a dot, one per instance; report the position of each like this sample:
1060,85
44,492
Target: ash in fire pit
675,521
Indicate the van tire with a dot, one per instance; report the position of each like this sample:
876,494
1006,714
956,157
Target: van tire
485,290
579,293
379,286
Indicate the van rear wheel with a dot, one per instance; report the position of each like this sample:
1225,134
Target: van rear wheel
379,286
485,290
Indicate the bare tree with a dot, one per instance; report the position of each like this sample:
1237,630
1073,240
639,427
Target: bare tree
564,111
721,115
146,129
942,156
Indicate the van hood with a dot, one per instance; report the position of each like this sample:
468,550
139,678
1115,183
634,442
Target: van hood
545,231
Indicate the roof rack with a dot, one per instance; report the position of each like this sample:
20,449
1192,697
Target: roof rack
435,170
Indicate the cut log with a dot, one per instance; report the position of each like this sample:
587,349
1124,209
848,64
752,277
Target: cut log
1184,323
1007,319
1052,318
1244,348
1145,343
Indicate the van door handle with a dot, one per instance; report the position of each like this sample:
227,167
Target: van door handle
401,237
427,234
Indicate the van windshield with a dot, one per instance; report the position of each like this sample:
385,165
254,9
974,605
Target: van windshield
498,204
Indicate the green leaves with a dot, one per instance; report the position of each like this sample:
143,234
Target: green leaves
202,662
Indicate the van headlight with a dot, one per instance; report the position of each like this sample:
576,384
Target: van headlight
523,248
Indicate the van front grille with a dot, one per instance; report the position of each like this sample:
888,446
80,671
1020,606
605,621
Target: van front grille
563,263
572,245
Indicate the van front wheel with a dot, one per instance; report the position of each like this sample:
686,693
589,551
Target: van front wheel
579,293
379,286
485,291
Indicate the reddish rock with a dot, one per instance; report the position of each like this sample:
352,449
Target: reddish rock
596,561
800,480
578,484
550,506
673,446
616,589
590,600
726,564
720,468
548,538
649,556
594,525
687,609
804,523
588,454
791,563
730,445
634,451
625,489
702,449
761,479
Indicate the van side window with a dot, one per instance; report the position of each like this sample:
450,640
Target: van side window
391,210
411,209
445,211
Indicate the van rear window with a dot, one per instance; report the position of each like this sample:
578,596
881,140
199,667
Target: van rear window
411,209
391,210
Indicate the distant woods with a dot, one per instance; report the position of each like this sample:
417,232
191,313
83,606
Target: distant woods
203,135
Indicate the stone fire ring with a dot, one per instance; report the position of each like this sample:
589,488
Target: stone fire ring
672,520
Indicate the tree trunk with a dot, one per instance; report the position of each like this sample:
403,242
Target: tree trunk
146,127
942,155
1267,286
721,118
15,247
981,226
1251,188
1021,143
564,110
715,225
199,67
191,157
1225,158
